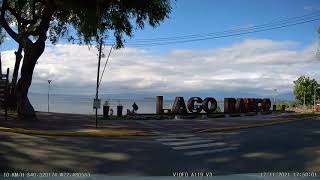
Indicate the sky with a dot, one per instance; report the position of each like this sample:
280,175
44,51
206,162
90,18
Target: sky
243,65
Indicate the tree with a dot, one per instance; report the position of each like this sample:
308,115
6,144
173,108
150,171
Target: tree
304,85
90,21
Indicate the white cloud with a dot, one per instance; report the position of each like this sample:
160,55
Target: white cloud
311,8
248,66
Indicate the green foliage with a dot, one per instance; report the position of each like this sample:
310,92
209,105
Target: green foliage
304,85
278,106
83,20
96,18
218,109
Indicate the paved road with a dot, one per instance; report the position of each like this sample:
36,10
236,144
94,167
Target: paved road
291,147
75,122
191,125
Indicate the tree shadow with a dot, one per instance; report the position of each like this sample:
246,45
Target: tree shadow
291,147
279,150
112,156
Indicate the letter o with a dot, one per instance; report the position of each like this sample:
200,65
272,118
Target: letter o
205,105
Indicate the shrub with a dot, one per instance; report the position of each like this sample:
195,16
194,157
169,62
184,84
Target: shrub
280,105
218,109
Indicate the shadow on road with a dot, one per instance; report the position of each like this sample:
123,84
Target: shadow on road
283,148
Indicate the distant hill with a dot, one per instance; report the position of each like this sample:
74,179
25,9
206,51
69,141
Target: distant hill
286,96
218,95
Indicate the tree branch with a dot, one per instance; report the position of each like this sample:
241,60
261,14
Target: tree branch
34,15
20,19
20,38
45,21
5,24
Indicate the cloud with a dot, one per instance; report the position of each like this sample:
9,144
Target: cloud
251,66
311,8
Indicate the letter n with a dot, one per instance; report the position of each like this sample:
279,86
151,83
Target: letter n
229,105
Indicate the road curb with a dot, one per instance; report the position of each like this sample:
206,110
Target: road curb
213,130
93,133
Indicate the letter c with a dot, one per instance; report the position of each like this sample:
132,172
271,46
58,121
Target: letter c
190,105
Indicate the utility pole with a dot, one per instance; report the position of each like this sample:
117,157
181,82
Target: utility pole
304,99
49,82
97,87
314,99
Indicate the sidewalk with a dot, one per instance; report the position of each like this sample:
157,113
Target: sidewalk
62,122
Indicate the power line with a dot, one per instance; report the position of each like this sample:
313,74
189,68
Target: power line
105,66
275,24
215,37
272,23
221,36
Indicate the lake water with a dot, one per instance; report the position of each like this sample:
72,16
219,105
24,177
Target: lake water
77,104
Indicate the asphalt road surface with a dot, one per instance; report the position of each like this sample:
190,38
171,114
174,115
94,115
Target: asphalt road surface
291,148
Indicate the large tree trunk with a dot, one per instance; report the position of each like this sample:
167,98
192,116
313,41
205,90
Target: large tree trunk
31,55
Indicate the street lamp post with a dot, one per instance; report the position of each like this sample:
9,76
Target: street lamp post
274,97
49,82
304,94
315,98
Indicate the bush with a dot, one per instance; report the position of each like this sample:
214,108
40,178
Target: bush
218,109
280,105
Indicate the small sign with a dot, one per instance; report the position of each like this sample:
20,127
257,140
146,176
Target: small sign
96,103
